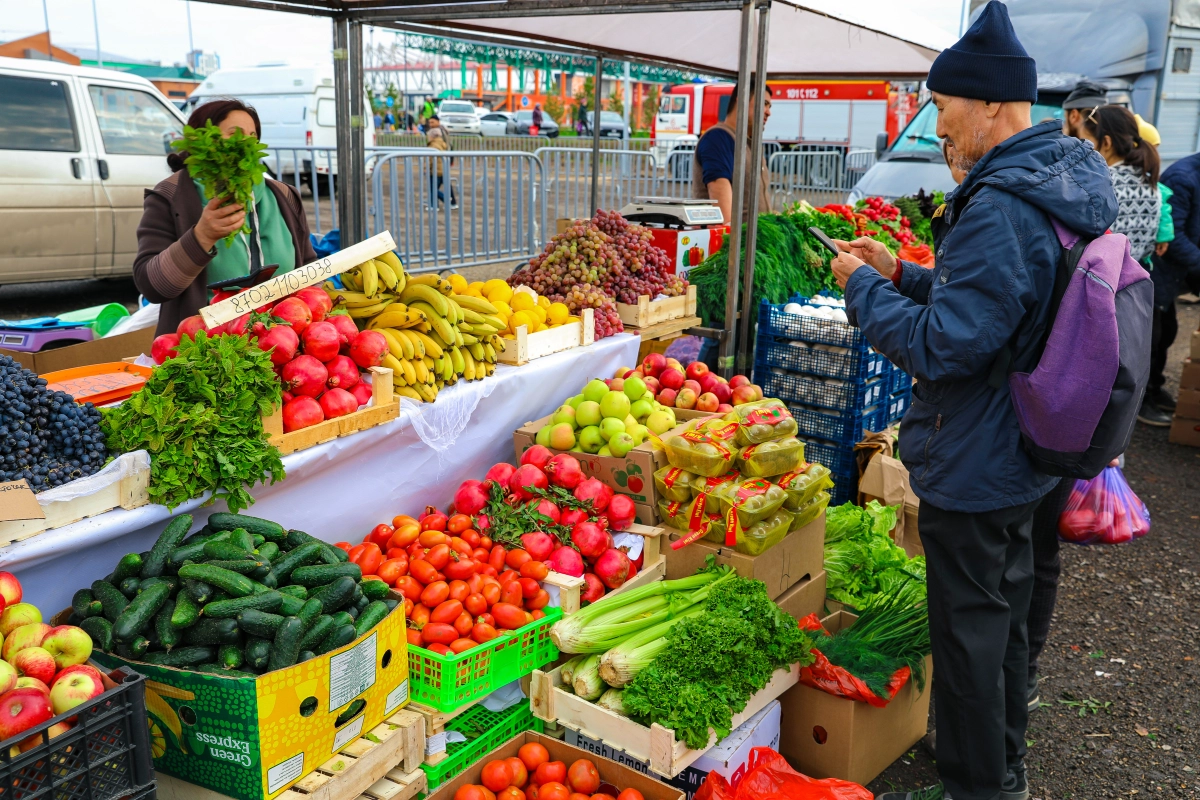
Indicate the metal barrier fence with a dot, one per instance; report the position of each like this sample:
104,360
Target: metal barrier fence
623,175
524,144
820,177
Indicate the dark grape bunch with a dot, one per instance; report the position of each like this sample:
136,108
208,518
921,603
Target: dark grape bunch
598,262
46,438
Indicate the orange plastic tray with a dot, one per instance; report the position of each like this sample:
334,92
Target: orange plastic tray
99,383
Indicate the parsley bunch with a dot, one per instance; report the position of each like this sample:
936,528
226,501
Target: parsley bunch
225,166
200,417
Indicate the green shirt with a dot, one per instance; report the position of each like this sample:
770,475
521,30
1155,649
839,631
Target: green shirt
232,259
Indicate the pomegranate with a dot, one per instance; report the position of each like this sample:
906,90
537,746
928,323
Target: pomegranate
238,326
525,477
564,470
591,539
612,568
482,524
470,498
540,546
317,300
321,341
566,561
343,372
164,347
499,473
620,512
294,312
572,517
288,397
367,349
189,326
547,509
538,456
338,403
593,589
305,375
346,328
284,341
301,413
361,392
594,490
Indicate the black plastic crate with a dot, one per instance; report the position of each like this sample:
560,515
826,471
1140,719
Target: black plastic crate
106,756
851,365
791,387
840,427
776,323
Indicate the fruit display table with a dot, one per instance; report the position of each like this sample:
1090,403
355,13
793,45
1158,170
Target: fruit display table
337,489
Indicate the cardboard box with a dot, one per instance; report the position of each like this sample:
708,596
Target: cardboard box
1187,404
885,479
730,758
806,597
831,737
616,775
250,738
99,351
800,555
1183,431
1190,377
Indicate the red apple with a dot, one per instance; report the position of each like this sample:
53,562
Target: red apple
8,677
652,385
10,588
673,363
57,729
73,690
707,402
671,378
685,399
693,385
34,662
738,380
719,378
27,682
21,709
667,397
84,668
18,614
68,644
724,408
697,369
758,394
30,635
635,373
723,392
621,372
744,394
616,384
653,364
707,381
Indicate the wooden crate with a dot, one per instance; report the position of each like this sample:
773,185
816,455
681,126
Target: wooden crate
654,567
528,346
656,744
386,407
130,492
389,769
649,312
670,329
434,746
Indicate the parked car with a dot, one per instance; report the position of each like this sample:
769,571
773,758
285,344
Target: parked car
522,120
78,147
611,125
458,116
496,123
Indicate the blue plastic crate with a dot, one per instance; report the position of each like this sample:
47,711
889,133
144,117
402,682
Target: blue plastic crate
900,381
838,457
790,387
776,323
795,356
842,427
845,489
897,405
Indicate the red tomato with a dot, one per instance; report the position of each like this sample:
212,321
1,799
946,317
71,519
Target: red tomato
447,611
511,593
461,569
550,772
439,556
414,636
460,546
408,608
491,594
509,616
531,791
516,558
434,521
479,554
486,542
381,535
343,546
463,624
475,583
423,571
520,773
439,633
440,649
496,776
416,550
461,645
459,590
535,569
496,556
435,593
487,569
578,796
392,570
602,796
483,632
583,777
511,793
395,552
429,538
368,558
403,519
409,587
475,604
537,614
508,575
472,538
420,616
630,794
470,792
487,619
529,587
538,601
404,536
553,790
458,523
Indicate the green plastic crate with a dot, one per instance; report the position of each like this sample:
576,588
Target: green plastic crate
449,682
485,730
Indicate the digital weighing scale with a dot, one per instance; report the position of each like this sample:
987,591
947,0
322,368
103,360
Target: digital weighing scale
672,212
689,230
35,335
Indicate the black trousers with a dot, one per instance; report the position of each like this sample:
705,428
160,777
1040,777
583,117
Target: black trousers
1166,326
1046,567
980,577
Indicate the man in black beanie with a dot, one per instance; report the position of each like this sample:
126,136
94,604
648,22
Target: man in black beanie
958,328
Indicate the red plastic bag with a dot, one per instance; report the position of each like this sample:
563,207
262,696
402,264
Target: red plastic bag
918,254
771,778
836,681
1103,510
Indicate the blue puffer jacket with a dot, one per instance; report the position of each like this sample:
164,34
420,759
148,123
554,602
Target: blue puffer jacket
991,286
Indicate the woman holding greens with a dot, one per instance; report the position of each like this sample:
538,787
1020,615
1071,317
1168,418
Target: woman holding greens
188,247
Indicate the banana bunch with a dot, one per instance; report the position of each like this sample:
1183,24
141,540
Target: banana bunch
434,335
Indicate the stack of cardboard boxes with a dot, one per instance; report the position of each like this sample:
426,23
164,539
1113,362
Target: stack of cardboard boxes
1186,427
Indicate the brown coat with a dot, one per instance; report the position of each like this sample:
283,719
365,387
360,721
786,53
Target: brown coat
700,188
171,267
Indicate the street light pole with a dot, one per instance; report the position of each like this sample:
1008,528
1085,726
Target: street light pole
96,27
191,44
46,16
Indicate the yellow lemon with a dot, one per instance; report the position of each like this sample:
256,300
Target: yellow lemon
475,288
558,313
544,301
492,285
541,326
522,301
540,313
502,308
523,318
458,283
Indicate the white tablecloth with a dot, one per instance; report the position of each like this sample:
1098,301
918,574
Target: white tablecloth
339,490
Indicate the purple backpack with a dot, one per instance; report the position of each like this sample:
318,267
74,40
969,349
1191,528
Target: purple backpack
1078,406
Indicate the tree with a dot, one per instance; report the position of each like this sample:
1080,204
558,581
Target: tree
554,108
649,108
615,102
586,92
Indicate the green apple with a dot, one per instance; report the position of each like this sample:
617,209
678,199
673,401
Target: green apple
588,413
590,439
610,427
638,434
565,414
575,401
542,437
634,388
604,451
660,422
621,444
641,409
577,449
595,390
615,404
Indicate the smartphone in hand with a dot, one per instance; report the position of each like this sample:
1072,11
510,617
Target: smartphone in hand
820,236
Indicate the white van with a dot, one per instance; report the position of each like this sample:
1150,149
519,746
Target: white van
296,108
78,146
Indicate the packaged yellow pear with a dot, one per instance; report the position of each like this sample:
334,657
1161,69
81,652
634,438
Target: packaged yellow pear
810,510
694,515
764,534
762,421
753,498
804,484
705,450
771,458
711,486
674,484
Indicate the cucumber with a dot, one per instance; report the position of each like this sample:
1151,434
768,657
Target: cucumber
187,552
129,587
336,595
135,649
111,600
356,596
140,611
85,604
325,573
353,612
100,630
306,553
257,540
391,604
182,657
294,591
129,566
319,629
257,653
268,551
223,609
226,551
201,536
167,541
271,531
361,603
305,655
242,539
291,605
230,656
185,613
269,580
350,713
342,618
237,585
309,612
241,567
332,555
338,637
286,646
168,634
212,632
371,616
260,588
199,591
259,623
170,580
374,589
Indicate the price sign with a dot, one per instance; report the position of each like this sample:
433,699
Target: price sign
281,286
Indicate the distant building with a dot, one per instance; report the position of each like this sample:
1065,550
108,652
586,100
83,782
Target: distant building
203,63
37,46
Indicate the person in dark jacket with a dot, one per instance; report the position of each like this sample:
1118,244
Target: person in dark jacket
181,247
989,292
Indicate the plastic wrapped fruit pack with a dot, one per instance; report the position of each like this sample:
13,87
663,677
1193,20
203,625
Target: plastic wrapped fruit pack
802,486
768,459
762,421
810,510
705,450
674,484
764,534
754,498
710,486
685,517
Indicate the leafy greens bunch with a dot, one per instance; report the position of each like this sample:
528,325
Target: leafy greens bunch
225,166
862,563
200,417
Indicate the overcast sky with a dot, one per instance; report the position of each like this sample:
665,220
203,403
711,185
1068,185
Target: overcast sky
157,30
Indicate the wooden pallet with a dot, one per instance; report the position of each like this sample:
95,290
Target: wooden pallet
670,329
654,567
385,408
528,346
667,755
435,728
130,492
389,769
649,312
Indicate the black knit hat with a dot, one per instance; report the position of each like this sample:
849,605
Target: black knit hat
987,63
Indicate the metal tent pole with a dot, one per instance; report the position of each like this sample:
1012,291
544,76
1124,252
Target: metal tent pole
745,340
599,79
727,357
351,153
